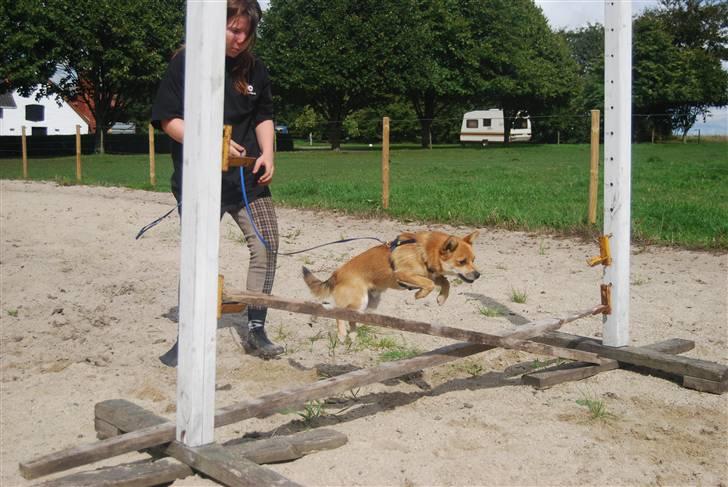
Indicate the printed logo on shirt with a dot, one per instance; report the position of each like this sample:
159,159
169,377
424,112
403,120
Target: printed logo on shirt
251,90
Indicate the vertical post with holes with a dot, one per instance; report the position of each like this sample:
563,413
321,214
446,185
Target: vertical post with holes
201,188
617,163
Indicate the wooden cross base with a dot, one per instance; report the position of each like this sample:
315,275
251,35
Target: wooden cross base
659,358
232,464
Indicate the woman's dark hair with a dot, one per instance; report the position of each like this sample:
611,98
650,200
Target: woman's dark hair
245,60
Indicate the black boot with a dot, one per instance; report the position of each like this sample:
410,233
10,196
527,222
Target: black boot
259,344
170,357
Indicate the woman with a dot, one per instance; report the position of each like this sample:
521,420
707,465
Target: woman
248,107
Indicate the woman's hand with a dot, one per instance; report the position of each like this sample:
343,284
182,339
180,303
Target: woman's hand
266,162
236,150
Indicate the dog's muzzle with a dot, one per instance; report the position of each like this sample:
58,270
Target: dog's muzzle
470,276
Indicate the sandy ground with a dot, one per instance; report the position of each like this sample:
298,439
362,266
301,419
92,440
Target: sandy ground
86,310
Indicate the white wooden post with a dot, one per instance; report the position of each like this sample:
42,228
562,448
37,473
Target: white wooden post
204,90
617,163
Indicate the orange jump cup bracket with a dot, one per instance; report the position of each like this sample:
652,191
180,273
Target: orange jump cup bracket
605,255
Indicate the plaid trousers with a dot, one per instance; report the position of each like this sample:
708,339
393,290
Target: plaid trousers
262,268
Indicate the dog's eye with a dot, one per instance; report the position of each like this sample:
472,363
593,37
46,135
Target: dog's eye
462,262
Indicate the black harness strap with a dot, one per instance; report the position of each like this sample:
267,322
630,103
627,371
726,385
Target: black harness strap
397,242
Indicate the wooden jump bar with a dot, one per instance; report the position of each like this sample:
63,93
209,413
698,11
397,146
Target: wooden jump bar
165,433
514,340
263,406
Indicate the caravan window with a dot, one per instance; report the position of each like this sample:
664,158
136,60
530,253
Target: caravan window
486,122
471,124
34,113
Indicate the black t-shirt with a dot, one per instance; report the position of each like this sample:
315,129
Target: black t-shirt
243,112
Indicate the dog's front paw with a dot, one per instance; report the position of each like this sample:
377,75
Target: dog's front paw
441,298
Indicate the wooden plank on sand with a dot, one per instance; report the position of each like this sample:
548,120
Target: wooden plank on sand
136,474
266,405
213,460
124,416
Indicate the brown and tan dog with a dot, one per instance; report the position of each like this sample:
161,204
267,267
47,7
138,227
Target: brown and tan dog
413,261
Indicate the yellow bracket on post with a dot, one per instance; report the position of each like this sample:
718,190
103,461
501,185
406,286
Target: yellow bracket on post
605,255
229,161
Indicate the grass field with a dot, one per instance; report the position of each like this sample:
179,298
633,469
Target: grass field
679,191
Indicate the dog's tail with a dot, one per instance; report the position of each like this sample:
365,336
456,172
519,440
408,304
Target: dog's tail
319,288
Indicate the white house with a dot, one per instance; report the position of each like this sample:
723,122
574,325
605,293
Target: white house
43,117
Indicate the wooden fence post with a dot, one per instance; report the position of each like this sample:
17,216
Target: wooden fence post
25,153
385,163
594,168
78,154
152,162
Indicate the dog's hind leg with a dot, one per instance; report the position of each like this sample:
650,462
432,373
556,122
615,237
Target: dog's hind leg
444,289
351,297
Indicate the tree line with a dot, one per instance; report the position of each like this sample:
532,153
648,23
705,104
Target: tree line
337,63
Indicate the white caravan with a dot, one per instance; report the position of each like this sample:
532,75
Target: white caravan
484,126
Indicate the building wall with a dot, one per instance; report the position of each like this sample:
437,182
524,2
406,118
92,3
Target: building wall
58,120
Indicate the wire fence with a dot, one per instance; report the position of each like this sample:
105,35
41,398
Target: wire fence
542,129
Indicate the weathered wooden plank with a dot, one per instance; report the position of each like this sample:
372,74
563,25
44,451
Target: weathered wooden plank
641,356
569,372
704,385
513,339
124,416
289,447
213,460
105,430
580,370
259,407
265,405
136,474
92,452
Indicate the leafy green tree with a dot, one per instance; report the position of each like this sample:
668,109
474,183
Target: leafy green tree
108,54
677,64
338,56
447,62
523,64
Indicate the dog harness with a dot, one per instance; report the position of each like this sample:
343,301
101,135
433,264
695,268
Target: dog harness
397,242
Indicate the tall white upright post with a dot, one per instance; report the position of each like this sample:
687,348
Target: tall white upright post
617,163
204,91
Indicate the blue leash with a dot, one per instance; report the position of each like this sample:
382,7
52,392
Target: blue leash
255,228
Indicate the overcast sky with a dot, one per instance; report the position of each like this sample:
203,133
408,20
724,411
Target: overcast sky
571,14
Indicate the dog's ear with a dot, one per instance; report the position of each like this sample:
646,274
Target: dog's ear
470,238
450,245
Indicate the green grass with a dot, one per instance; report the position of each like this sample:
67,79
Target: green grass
679,191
